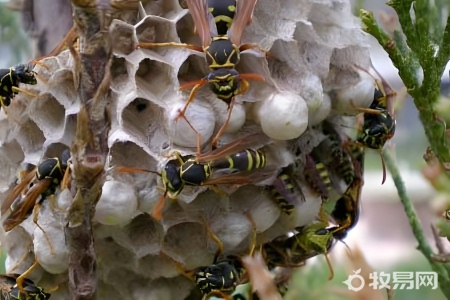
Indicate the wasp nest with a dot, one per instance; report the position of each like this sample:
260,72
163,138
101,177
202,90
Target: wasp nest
311,48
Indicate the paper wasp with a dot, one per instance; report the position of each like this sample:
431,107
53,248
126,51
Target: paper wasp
222,47
347,208
10,79
317,176
10,290
292,252
218,279
379,121
286,191
41,181
238,162
341,161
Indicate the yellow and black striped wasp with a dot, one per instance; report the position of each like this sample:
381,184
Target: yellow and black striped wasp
286,191
347,208
10,79
317,176
233,164
41,181
10,290
341,162
379,121
219,279
220,25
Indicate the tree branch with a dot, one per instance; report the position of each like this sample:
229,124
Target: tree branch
89,153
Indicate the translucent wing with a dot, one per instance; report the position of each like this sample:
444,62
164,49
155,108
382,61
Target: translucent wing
203,20
240,178
23,209
243,18
18,189
239,144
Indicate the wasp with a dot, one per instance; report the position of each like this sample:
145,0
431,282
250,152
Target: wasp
379,121
340,159
317,176
347,208
10,79
41,181
292,252
286,191
10,290
222,46
234,159
218,279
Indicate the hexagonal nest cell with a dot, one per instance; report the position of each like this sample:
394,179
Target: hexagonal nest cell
257,189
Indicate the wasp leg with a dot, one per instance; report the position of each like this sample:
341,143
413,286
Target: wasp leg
244,47
216,239
224,126
194,90
3,105
217,190
16,90
65,183
23,276
36,209
329,266
169,44
253,241
369,111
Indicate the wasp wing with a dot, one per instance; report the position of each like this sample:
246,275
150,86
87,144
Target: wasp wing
203,20
245,142
240,178
23,209
18,189
243,18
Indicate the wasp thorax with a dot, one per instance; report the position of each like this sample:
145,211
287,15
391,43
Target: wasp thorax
222,53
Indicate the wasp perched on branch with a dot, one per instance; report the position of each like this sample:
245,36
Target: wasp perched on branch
379,121
10,79
233,163
10,290
220,27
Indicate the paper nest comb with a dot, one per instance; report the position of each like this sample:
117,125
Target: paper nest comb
309,76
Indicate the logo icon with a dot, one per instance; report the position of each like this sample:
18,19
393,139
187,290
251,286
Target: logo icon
356,276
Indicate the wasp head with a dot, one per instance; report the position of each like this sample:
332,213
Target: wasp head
172,180
24,74
224,83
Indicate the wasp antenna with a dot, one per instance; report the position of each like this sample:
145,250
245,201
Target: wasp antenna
158,209
133,170
383,165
